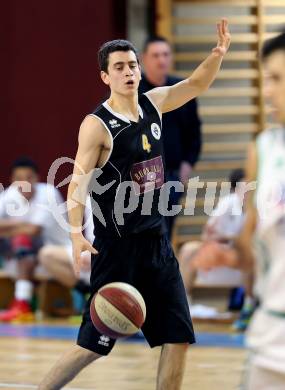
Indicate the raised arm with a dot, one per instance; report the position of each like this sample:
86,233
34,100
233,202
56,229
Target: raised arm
170,98
91,141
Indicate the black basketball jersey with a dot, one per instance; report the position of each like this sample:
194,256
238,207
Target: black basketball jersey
133,175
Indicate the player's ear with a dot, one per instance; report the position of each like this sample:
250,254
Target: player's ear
105,77
140,68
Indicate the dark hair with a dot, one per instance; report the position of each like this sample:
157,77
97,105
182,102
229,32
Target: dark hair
272,45
153,39
110,47
24,162
236,176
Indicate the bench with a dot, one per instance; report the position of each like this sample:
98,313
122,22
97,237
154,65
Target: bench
51,297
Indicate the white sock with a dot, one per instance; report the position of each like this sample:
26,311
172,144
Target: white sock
23,290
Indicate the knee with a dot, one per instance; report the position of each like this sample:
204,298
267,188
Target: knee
46,254
188,249
175,352
85,355
180,348
172,366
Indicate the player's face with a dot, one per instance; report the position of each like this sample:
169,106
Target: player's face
157,59
124,73
28,177
274,87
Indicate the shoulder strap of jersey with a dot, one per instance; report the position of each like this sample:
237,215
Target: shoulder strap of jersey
148,105
111,121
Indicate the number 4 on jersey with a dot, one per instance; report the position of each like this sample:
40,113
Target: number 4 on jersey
146,145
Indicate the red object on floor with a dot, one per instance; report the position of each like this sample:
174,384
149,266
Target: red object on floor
19,311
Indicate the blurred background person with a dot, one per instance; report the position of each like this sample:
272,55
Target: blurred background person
262,240
181,127
221,229
30,232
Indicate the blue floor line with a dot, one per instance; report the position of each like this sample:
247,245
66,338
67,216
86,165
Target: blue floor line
203,339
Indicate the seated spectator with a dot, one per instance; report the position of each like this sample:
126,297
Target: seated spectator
59,262
30,232
221,228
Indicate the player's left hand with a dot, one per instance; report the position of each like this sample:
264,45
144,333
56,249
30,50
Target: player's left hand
224,38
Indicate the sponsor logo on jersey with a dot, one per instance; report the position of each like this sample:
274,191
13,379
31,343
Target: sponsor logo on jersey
155,131
114,123
148,174
104,340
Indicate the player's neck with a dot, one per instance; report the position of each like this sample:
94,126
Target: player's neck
156,80
125,105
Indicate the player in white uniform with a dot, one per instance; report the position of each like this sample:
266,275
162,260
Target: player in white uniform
265,225
30,232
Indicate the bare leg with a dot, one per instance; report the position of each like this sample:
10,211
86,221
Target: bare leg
26,268
67,367
57,261
248,282
171,366
188,272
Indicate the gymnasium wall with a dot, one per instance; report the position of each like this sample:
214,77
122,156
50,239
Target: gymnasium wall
233,109
49,74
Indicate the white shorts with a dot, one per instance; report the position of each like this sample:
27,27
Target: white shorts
260,378
265,338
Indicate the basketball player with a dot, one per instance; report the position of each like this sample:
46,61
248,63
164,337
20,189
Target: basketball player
123,138
265,222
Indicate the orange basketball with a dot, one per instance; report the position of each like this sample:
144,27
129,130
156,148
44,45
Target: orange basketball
118,310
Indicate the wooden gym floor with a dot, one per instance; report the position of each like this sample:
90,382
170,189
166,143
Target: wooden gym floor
27,352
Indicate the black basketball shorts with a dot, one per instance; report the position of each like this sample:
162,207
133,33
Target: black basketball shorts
147,262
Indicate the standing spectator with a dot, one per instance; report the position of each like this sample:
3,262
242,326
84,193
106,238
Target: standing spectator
181,127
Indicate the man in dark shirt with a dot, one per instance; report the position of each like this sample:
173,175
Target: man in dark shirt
181,127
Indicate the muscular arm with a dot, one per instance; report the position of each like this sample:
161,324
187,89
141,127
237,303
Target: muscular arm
241,256
91,141
243,243
90,144
172,97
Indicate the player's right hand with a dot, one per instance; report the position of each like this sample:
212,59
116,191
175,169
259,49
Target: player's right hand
79,245
224,38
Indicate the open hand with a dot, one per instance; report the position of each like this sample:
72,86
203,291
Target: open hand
79,245
224,38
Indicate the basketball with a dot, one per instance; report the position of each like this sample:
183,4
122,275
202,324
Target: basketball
118,310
